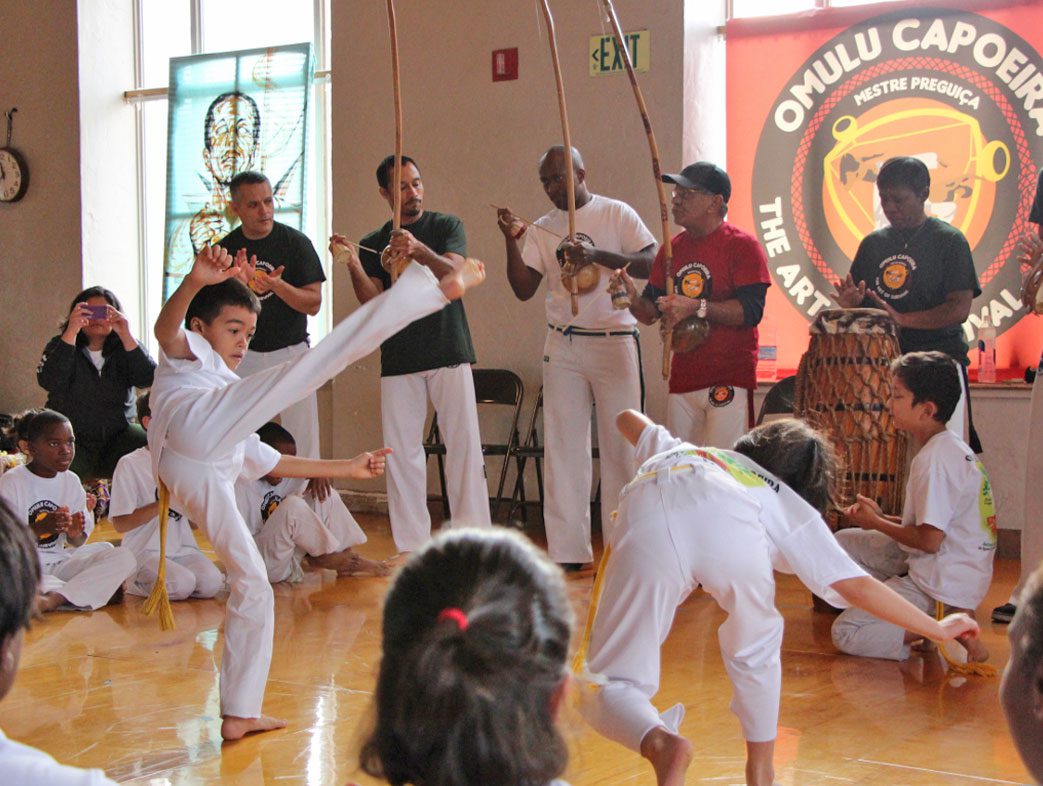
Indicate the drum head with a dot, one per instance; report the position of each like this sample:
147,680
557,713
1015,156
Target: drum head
689,333
867,321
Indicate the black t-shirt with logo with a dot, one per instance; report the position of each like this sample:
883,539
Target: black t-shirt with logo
914,270
438,340
279,325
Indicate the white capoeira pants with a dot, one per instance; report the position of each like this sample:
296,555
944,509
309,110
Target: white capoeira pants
199,465
189,575
674,532
300,419
90,576
403,411
857,632
302,526
694,418
581,372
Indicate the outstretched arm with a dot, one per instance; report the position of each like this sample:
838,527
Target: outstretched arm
881,601
364,466
212,265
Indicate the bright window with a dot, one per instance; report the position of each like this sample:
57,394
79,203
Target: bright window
171,29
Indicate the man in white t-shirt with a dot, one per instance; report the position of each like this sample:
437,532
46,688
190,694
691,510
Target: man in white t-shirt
590,359
941,549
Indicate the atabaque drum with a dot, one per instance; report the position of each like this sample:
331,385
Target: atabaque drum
844,389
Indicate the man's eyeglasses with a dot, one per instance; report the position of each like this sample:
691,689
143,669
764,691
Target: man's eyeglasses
684,194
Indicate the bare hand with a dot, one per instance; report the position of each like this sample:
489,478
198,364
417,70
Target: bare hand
370,465
213,265
343,251
510,225
77,522
677,307
404,245
861,515
883,305
79,318
849,294
579,255
319,488
263,281
621,275
54,522
1030,249
958,626
120,325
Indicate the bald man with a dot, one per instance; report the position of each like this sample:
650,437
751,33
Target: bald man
590,359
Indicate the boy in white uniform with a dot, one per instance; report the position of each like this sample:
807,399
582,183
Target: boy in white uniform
19,582
721,519
941,549
202,436
134,511
50,500
288,527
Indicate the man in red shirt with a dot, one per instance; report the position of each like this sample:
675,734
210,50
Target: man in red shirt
720,274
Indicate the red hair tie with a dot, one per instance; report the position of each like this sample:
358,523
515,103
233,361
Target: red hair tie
455,615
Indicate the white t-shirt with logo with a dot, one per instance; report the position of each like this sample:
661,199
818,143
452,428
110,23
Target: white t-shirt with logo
258,499
601,223
25,766
32,497
134,487
949,490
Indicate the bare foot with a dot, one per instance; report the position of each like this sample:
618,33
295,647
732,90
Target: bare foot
577,570
233,728
976,650
357,565
398,560
670,755
48,602
469,275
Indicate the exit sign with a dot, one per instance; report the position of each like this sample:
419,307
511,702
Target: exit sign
607,58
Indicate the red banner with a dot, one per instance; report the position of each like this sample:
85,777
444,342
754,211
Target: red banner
958,85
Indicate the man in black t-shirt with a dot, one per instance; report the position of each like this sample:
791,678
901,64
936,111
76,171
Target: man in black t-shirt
431,357
288,280
920,271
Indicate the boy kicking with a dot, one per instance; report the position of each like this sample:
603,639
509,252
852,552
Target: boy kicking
202,434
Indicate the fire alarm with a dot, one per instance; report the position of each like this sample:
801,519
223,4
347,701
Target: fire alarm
505,64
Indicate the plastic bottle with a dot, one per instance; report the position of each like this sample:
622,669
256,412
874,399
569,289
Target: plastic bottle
767,353
986,351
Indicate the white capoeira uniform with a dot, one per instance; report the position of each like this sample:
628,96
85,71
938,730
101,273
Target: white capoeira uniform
301,418
949,490
86,576
189,573
701,516
590,360
27,766
286,525
202,439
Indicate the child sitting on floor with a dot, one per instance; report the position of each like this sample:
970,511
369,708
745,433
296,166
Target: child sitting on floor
51,501
290,525
19,583
134,510
942,547
473,673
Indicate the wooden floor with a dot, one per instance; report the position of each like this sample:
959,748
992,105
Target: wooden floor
109,690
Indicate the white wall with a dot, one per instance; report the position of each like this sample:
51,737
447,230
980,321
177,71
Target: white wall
40,269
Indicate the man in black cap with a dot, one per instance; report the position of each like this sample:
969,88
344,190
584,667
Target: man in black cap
720,274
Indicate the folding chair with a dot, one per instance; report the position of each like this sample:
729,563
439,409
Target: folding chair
492,386
530,448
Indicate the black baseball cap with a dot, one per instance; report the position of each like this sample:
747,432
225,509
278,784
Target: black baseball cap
703,176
